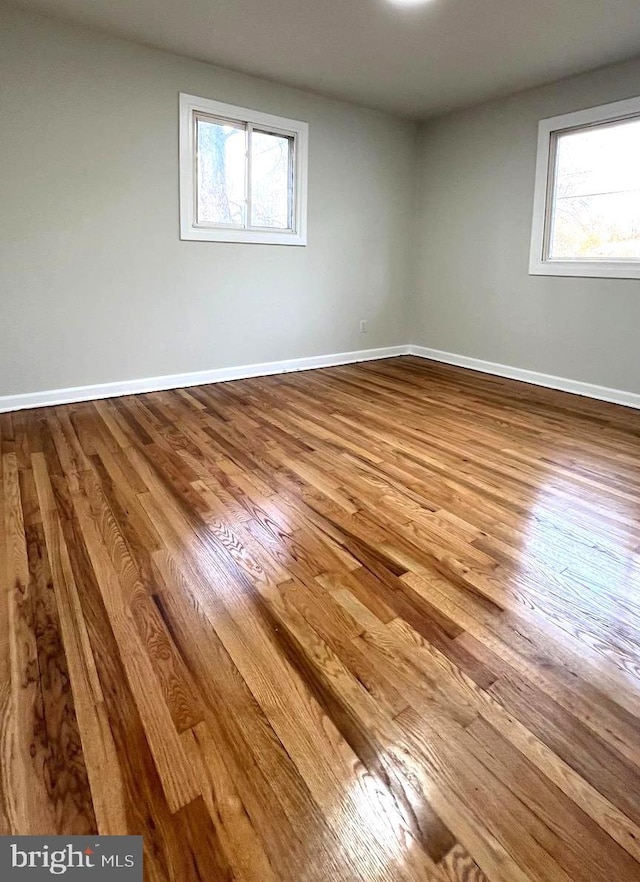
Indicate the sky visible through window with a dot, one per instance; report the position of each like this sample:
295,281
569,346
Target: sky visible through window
596,198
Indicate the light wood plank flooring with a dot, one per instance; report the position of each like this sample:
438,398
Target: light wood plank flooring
375,622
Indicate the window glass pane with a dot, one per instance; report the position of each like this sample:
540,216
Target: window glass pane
221,172
270,176
596,199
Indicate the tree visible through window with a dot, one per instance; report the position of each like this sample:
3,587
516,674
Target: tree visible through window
243,174
220,175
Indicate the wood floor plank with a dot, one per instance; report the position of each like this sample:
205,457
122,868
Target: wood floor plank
460,866
95,732
373,622
24,748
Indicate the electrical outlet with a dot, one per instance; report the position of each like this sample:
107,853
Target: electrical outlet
363,326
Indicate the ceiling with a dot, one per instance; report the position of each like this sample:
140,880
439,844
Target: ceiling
413,60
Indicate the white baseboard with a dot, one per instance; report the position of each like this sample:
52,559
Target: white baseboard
220,375
195,378
589,390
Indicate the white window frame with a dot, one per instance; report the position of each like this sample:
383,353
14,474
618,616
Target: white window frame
190,107
548,131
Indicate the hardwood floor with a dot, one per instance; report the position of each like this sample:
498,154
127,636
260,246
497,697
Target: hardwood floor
375,622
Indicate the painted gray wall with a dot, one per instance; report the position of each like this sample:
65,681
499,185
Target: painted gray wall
472,294
96,285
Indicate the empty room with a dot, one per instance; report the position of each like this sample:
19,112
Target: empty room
320,441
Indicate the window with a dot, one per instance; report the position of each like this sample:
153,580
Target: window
586,217
243,175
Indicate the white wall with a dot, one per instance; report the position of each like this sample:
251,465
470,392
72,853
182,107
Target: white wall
472,294
96,285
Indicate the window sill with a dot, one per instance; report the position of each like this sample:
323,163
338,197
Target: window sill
250,237
586,269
